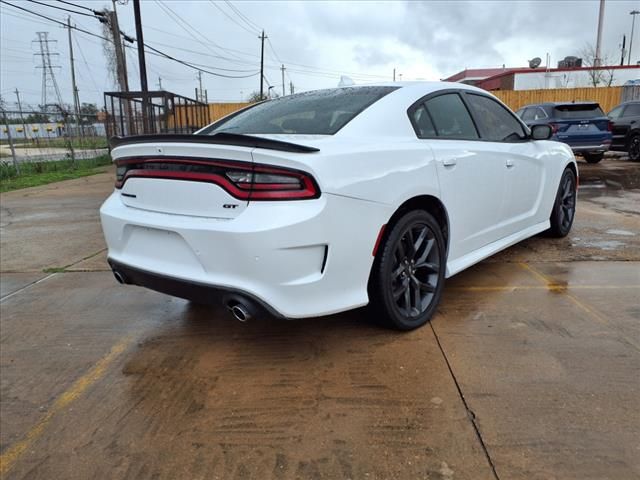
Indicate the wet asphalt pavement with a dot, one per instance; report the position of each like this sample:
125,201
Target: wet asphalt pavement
530,369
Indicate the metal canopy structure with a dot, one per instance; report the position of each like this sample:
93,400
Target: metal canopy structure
165,112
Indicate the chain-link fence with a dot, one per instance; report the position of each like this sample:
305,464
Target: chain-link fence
29,136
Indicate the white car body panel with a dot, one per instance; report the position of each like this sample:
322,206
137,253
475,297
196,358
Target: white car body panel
494,194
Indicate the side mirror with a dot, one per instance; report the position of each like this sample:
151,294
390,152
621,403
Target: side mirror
541,132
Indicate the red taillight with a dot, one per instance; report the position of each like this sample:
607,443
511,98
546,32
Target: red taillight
554,128
245,181
610,126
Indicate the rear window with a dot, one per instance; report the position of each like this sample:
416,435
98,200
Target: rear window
321,112
589,110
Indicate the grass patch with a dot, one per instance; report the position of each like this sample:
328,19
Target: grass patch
54,270
33,174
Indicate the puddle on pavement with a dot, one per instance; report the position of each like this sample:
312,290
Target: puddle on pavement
601,244
603,179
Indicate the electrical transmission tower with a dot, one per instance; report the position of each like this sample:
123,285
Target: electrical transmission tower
48,76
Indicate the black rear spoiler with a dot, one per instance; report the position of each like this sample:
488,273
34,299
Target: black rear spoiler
217,139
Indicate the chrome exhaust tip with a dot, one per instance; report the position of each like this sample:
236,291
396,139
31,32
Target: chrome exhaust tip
119,277
239,311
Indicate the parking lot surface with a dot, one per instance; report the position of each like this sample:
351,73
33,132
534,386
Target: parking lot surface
529,370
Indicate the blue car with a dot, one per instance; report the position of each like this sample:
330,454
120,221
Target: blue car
581,125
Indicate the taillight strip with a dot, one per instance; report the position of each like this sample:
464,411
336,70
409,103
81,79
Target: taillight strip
306,189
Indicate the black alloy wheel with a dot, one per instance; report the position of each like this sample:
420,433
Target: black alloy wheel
408,274
564,208
634,148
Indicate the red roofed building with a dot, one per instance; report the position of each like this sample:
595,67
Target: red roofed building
542,78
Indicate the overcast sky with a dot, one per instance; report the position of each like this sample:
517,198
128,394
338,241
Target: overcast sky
316,40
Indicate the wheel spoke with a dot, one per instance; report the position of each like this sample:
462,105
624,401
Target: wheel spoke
427,250
429,267
419,240
407,298
396,273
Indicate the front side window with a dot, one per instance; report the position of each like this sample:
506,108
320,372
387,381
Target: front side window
450,117
320,112
495,122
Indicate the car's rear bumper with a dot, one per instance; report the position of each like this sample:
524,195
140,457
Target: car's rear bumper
301,258
187,289
601,148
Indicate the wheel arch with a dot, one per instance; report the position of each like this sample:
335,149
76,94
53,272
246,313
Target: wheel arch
429,203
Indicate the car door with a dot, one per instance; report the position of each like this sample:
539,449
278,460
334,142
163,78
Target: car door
508,142
472,180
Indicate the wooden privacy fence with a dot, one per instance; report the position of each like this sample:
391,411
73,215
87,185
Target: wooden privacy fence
607,97
187,114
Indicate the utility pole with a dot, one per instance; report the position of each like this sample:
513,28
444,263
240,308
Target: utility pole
74,87
291,91
143,67
262,37
282,69
597,61
394,74
24,126
633,14
623,52
121,59
159,82
200,95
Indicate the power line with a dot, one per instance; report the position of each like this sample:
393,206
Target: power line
243,17
153,49
77,6
252,32
60,8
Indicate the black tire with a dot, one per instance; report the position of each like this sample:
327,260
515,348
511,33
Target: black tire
564,206
593,157
633,147
408,273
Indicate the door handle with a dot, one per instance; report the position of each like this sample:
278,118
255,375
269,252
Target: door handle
509,163
450,162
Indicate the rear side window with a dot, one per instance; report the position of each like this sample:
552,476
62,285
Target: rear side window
450,117
528,115
422,122
495,122
578,111
632,110
533,113
320,112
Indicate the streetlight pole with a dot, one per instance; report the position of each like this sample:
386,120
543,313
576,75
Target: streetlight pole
633,14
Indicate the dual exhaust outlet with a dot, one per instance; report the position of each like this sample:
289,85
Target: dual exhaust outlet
240,307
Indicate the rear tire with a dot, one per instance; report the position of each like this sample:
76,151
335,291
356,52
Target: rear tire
408,273
593,157
634,148
564,207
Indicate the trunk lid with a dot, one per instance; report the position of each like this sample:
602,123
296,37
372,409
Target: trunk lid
194,196
205,176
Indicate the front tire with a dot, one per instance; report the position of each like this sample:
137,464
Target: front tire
564,207
408,273
593,157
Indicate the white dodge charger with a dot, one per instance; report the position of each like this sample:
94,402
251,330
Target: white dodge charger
329,200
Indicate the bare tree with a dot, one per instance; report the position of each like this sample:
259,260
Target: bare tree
600,72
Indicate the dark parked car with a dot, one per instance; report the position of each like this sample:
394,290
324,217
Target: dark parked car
625,121
581,125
